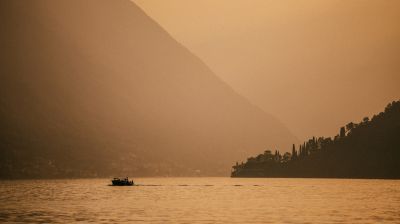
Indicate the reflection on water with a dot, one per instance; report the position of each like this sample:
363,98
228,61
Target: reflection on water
202,200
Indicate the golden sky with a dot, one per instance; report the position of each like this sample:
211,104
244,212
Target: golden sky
316,65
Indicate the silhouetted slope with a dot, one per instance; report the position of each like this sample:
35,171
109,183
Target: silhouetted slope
370,149
97,88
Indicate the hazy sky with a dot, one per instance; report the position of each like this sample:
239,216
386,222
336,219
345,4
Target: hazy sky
316,65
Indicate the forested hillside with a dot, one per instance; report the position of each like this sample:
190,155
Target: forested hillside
368,149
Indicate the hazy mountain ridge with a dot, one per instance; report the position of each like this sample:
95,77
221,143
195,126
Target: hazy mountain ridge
98,88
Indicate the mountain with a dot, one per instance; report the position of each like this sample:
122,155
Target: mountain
369,149
301,58
97,88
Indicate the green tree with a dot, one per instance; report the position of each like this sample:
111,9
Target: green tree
349,127
294,152
342,132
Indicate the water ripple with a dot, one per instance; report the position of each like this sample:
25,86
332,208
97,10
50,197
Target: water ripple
201,200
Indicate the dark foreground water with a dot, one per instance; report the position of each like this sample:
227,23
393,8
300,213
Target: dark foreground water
201,200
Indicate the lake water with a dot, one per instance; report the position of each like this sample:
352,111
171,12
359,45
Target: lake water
201,200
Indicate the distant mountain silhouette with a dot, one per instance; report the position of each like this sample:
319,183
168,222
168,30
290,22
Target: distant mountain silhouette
97,88
369,149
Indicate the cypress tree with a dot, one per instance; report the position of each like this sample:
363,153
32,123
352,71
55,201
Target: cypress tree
294,153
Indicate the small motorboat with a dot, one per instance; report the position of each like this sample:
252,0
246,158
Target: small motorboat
122,182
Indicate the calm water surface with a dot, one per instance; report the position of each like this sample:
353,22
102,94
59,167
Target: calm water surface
201,200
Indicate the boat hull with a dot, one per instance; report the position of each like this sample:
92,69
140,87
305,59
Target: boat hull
122,183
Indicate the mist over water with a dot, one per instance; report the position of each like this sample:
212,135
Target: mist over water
201,200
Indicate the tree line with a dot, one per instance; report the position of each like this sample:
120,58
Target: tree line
368,149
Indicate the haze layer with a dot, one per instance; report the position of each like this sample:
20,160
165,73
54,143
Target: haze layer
316,65
98,88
